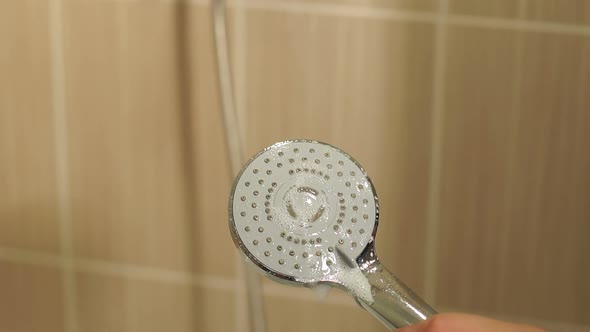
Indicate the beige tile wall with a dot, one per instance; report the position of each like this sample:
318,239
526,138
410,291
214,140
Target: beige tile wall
32,297
471,117
27,160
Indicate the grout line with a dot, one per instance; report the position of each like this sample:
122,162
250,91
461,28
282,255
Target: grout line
359,11
336,296
113,269
518,25
242,321
382,13
31,257
433,208
61,150
191,2
340,10
154,274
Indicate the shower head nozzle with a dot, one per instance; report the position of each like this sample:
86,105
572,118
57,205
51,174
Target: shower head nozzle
305,213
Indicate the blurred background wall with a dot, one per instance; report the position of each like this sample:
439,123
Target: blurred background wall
472,118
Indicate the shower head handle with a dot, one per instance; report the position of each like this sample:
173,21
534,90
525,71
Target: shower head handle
394,303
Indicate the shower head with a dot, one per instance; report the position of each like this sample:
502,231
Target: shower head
306,213
297,201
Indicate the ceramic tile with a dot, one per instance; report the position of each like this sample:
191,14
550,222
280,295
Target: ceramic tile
109,303
362,85
513,199
550,189
478,115
140,191
125,161
28,208
31,298
291,315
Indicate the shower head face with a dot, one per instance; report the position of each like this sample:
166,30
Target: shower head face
298,206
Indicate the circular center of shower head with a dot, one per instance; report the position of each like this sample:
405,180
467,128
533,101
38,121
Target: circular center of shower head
305,204
295,202
302,205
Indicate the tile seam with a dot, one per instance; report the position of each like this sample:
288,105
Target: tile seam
433,205
123,270
358,11
340,10
517,25
384,13
241,320
36,258
56,35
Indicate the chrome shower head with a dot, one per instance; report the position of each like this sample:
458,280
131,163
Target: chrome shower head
306,213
